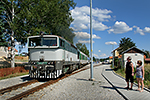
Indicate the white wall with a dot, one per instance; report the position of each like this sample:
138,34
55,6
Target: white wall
135,57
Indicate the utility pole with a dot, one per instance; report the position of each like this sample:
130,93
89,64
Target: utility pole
12,40
113,56
91,42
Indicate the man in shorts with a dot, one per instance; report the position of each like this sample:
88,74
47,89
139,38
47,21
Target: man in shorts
129,73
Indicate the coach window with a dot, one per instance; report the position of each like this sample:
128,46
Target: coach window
78,54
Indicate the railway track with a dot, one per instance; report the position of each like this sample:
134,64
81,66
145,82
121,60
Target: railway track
8,89
18,96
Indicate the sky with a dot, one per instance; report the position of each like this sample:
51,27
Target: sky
111,21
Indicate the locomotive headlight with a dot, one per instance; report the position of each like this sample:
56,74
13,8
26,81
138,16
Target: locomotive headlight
33,63
48,63
40,67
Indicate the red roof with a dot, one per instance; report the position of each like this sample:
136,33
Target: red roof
110,57
147,59
15,49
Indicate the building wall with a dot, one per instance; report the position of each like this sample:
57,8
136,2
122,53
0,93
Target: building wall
135,57
3,52
116,53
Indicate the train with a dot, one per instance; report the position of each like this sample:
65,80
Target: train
51,56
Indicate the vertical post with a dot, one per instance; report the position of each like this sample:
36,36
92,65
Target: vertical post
113,56
12,40
91,42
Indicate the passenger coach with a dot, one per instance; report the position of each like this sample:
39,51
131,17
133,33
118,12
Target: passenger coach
51,55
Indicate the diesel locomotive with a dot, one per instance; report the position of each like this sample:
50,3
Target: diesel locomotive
51,56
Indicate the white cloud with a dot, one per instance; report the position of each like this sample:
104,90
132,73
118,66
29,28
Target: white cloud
111,43
95,55
103,55
138,30
85,35
84,41
99,50
99,26
120,27
96,37
81,16
147,29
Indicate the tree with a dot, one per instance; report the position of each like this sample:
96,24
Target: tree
49,16
147,53
8,18
82,48
94,59
2,39
23,18
125,43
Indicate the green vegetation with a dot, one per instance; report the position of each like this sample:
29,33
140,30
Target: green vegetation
147,76
30,17
14,75
20,19
82,48
125,43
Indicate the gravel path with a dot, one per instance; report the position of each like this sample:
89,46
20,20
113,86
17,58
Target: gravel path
78,87
13,81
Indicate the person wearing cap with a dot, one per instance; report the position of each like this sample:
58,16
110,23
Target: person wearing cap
129,73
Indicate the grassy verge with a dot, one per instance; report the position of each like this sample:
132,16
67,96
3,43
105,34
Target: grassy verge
14,75
121,72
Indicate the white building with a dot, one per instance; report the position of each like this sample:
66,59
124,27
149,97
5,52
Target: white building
4,51
135,53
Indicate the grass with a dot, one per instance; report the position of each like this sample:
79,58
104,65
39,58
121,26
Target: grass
14,75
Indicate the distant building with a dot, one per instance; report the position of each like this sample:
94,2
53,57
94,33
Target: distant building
5,51
135,53
116,52
16,51
147,60
110,59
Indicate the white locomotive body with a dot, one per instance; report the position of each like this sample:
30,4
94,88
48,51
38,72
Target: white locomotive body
51,55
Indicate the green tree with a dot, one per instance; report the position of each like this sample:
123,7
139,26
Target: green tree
147,53
2,39
125,43
23,18
8,17
30,17
94,59
82,48
49,16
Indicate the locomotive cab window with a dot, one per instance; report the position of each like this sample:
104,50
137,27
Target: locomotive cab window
46,41
50,41
35,42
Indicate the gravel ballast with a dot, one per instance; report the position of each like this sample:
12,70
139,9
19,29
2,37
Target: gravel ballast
78,87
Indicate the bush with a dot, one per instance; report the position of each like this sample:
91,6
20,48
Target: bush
7,71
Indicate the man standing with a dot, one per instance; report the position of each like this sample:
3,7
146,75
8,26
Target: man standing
129,73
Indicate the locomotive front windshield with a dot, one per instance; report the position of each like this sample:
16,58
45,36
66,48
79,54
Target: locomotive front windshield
43,41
